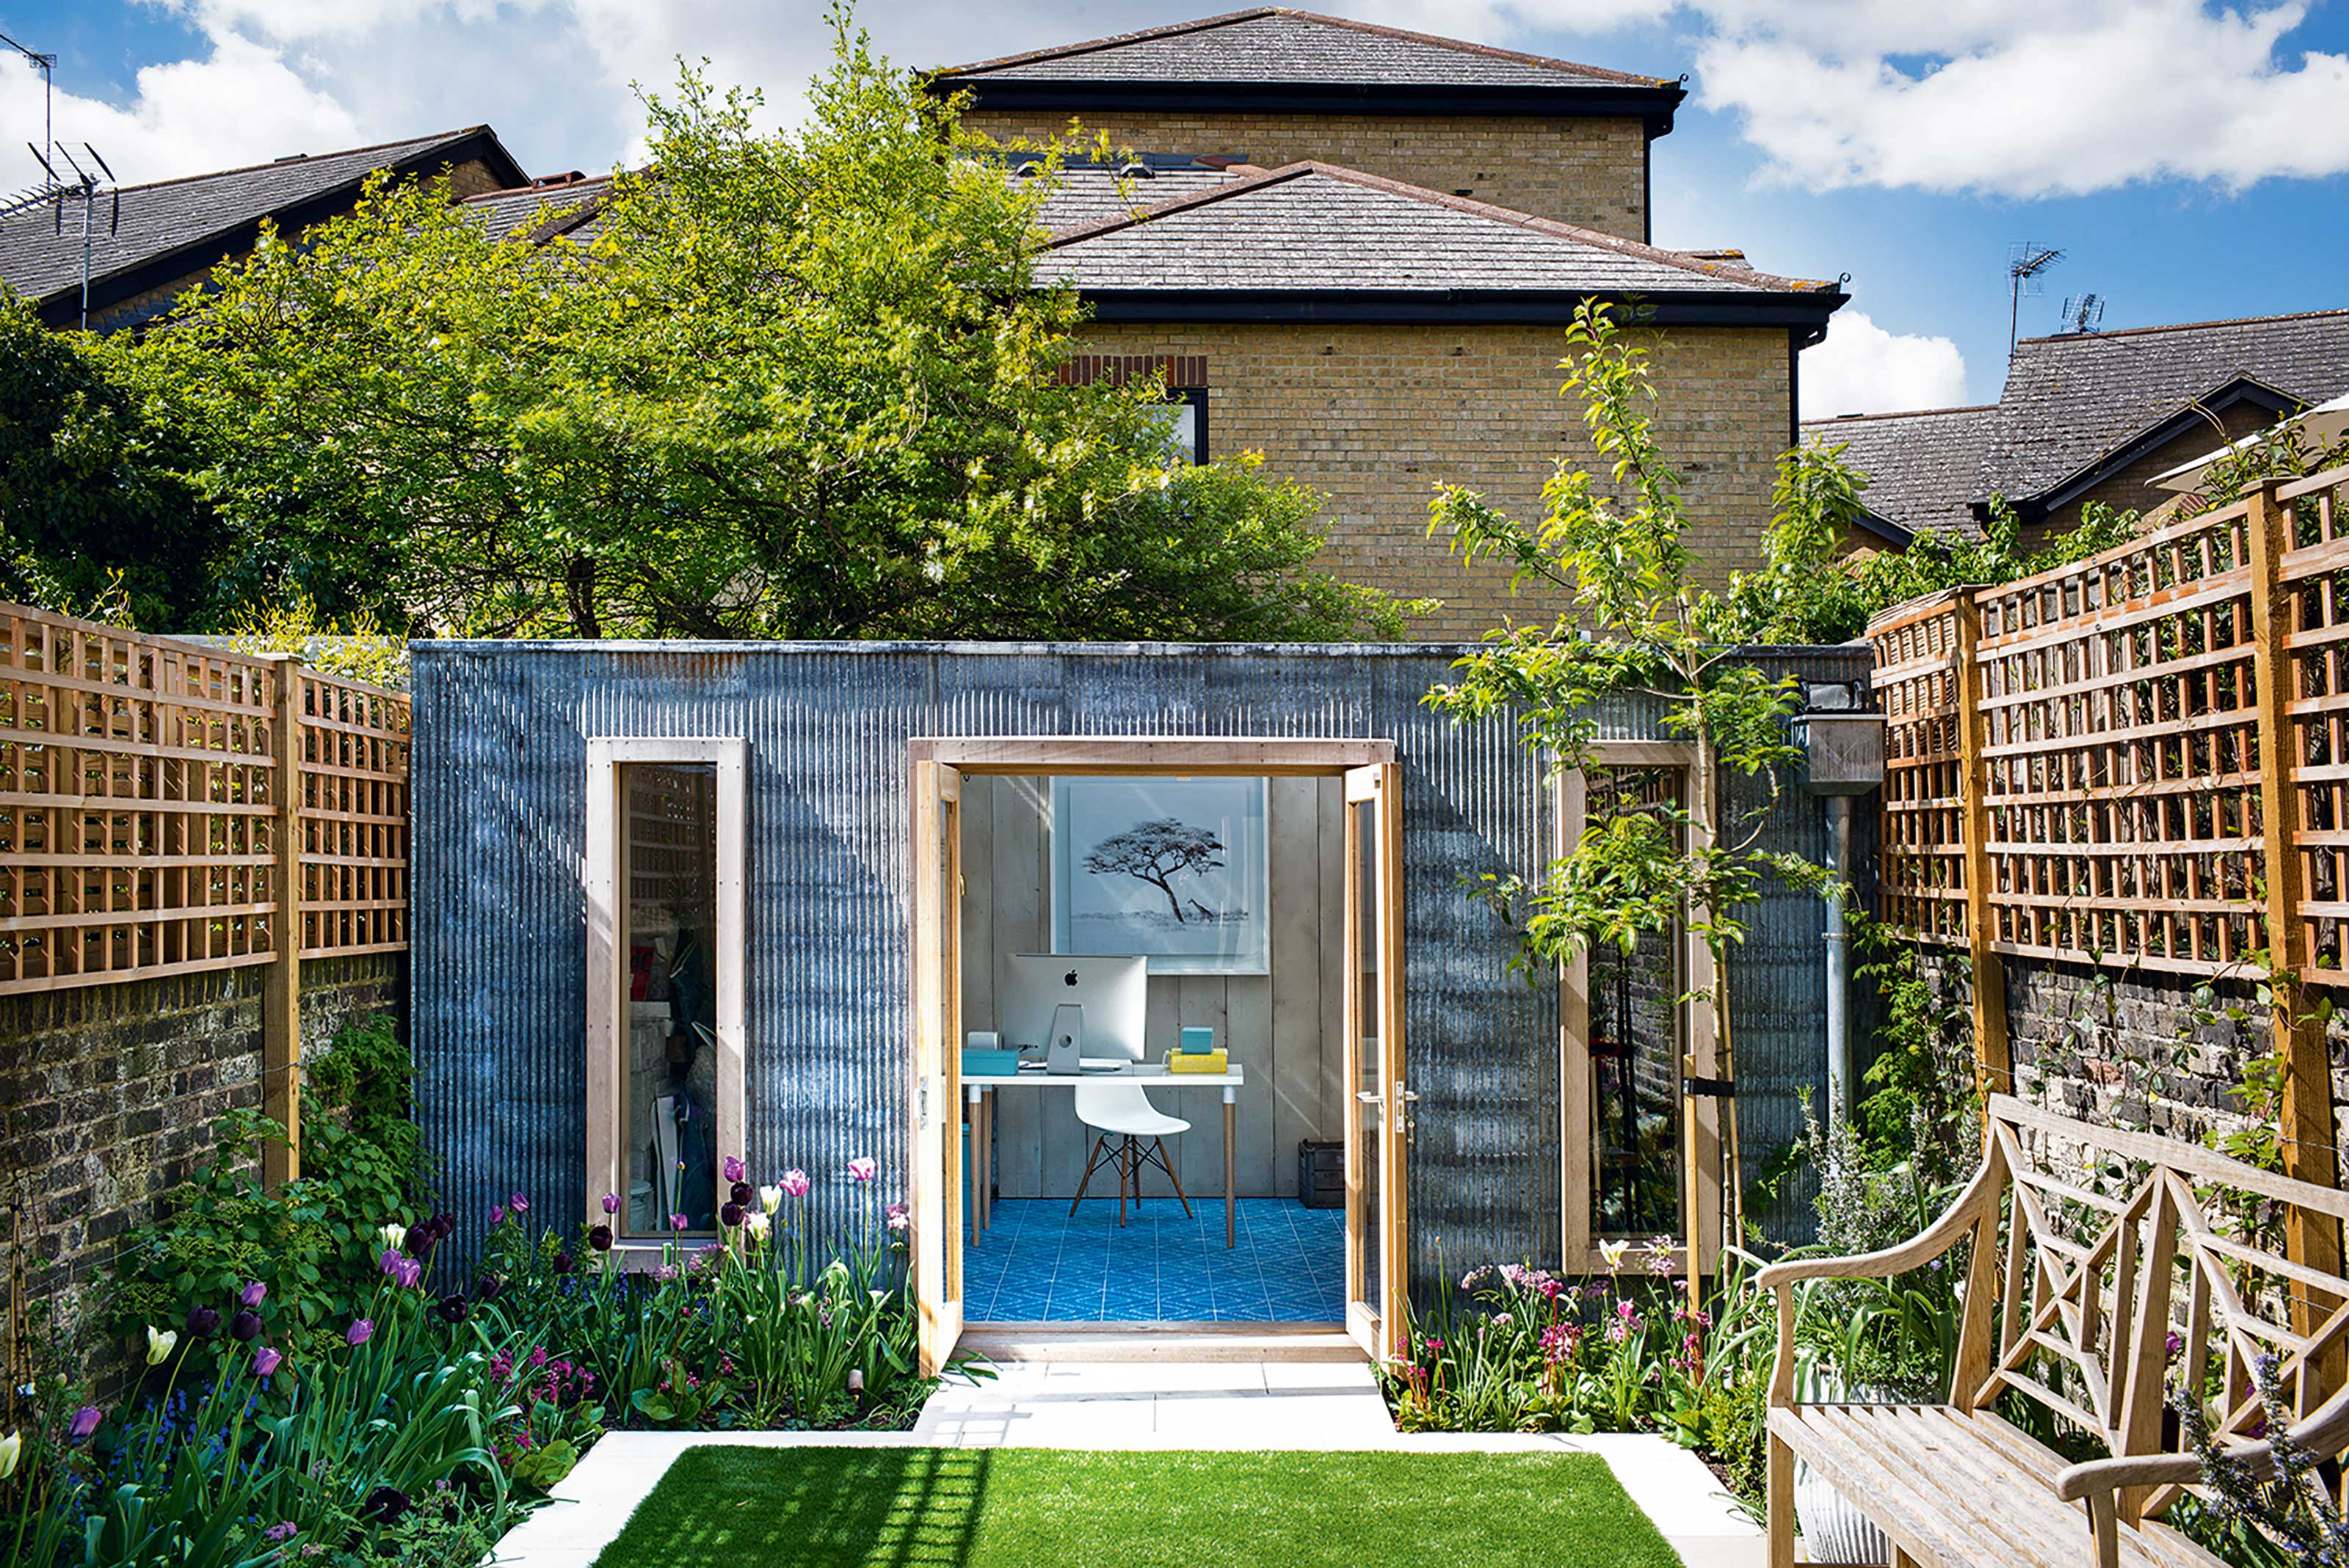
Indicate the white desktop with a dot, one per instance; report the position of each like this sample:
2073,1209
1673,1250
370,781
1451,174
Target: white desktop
1114,991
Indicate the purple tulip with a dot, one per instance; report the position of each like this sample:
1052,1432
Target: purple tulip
565,1263
409,1275
254,1293
385,1505
498,1215
863,1168
730,1215
677,1221
203,1322
245,1327
85,1422
611,1203
518,1203
360,1332
487,1287
741,1193
734,1169
600,1238
390,1262
267,1360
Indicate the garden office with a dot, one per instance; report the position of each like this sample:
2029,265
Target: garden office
831,902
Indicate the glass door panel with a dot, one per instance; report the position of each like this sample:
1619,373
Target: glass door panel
1378,1100
936,1088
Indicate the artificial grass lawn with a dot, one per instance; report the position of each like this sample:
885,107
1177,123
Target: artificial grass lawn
1049,1508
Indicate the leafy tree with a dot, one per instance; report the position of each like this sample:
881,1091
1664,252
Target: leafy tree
1637,627
95,518
798,385
1158,852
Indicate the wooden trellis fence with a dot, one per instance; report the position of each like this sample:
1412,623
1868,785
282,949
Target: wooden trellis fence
147,828
2083,765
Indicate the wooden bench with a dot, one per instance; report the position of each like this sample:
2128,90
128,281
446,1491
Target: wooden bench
2075,1286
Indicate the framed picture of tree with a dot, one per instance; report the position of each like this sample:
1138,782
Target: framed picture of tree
1175,870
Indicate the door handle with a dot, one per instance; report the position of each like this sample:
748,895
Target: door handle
1370,1097
1403,1095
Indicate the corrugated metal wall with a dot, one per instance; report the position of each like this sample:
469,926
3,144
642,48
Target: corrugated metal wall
500,931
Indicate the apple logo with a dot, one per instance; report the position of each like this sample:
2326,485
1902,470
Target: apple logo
1070,978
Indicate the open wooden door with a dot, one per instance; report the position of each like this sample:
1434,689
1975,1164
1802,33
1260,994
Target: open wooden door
933,1187
1378,1109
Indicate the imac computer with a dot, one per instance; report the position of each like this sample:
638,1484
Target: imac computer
1114,991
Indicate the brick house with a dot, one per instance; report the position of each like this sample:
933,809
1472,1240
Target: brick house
1364,244
150,243
2092,417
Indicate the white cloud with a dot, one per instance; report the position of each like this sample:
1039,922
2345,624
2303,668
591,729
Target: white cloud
1861,369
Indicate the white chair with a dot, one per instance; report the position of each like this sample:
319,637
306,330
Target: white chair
1120,1109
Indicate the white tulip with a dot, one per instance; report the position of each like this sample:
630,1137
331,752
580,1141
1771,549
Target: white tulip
11,1447
756,1224
158,1345
770,1199
394,1236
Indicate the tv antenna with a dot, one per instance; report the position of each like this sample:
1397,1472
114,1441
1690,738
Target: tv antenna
2082,312
2024,263
53,188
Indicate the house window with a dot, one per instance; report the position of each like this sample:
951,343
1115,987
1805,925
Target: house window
1186,422
666,947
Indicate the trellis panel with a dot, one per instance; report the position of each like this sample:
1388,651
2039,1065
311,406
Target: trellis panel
2314,574
1921,881
2119,697
353,815
140,806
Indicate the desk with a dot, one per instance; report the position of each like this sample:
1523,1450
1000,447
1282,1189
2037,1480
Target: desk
980,1087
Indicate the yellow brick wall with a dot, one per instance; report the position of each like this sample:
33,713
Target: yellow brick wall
1375,416
1578,170
2132,489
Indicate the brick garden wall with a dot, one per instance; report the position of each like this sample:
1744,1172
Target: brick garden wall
110,1092
2127,1049
1375,416
1593,172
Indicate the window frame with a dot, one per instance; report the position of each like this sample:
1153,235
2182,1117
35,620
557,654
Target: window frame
1196,397
608,967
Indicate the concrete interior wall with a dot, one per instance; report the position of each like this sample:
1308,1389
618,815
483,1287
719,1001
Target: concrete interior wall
1285,1027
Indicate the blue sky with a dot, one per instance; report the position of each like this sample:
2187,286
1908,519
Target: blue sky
2191,160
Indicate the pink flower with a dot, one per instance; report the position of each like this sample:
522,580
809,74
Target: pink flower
677,1221
863,1167
253,1294
898,1218
734,1170
284,1529
519,1204
611,1203
796,1182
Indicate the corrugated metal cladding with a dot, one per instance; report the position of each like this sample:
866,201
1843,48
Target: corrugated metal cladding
500,934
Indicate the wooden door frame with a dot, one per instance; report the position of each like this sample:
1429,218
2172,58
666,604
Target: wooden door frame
1577,1242
934,1086
927,756
1379,782
605,874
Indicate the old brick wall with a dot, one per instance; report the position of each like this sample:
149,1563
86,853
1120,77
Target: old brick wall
1593,172
2136,1048
1375,416
109,1093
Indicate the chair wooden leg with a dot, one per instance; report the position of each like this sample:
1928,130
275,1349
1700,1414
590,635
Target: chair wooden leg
1782,1505
1092,1163
1167,1165
1124,1177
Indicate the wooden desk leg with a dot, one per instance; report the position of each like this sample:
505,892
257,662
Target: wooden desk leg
1231,1117
984,1195
975,1166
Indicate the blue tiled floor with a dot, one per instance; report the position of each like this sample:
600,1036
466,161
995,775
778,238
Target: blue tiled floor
1037,1264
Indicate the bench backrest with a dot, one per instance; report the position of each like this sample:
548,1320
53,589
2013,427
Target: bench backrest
2109,1264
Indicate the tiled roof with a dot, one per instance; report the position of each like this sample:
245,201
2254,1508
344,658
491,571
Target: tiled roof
525,208
1271,43
1316,228
192,223
2074,402
1921,465
1083,192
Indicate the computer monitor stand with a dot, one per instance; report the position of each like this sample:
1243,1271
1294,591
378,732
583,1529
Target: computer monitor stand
1065,1052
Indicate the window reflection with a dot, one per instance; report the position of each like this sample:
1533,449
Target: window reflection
669,867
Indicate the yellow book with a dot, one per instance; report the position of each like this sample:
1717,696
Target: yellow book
1215,1061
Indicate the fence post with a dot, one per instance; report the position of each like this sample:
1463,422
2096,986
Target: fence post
281,1003
1993,1058
2306,1113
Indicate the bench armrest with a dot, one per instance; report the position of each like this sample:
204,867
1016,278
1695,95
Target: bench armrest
2326,1433
1919,1250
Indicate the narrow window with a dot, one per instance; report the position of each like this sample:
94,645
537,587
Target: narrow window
1186,423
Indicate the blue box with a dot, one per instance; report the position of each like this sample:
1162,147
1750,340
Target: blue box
1199,1039
989,1064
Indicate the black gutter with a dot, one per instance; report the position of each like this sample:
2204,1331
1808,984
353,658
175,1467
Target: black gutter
62,307
1806,313
1653,106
